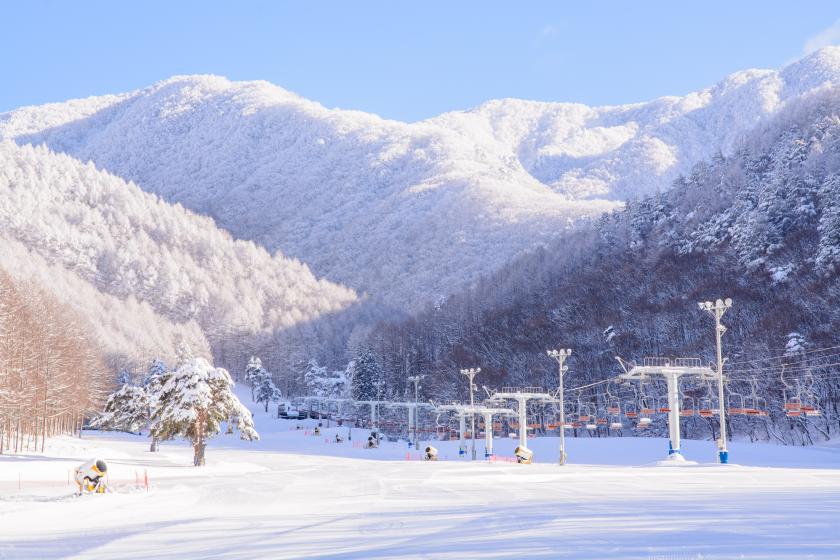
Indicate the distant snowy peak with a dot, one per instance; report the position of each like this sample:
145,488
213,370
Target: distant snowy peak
405,212
626,151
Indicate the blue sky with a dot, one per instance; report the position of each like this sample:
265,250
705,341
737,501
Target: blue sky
401,60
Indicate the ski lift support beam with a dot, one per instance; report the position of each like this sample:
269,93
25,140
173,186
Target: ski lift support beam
671,369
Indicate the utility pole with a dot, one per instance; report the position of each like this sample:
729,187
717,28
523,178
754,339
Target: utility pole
471,373
416,380
716,310
560,356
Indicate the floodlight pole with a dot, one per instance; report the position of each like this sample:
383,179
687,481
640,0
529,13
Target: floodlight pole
416,380
471,373
716,310
560,356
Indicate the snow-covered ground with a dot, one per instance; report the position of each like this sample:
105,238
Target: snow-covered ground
298,495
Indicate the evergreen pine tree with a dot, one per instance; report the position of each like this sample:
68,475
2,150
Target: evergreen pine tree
193,402
253,373
367,377
156,377
127,409
266,391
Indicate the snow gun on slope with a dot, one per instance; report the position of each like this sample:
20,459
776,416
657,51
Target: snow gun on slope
90,477
524,455
431,454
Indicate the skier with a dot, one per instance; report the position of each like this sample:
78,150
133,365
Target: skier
431,453
89,476
523,455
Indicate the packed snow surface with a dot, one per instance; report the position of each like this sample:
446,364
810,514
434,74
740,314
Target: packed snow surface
294,495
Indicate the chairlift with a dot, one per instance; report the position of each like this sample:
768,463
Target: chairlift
631,409
647,408
664,405
736,404
809,406
687,409
583,412
614,407
706,408
793,406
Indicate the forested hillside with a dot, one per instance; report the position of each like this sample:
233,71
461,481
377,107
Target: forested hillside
761,227
404,212
135,247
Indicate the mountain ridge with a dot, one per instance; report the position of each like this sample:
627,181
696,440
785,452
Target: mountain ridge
404,212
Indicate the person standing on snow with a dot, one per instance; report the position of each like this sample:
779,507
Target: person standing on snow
89,476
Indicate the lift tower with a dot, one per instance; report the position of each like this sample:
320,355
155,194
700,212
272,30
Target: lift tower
671,369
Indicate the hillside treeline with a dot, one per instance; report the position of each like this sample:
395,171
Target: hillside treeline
761,227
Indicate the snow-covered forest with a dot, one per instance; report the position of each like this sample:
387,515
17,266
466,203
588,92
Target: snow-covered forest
133,246
363,250
403,212
761,226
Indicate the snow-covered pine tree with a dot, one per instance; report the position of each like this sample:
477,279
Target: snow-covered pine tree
253,373
127,409
320,382
367,377
156,377
315,378
194,401
266,391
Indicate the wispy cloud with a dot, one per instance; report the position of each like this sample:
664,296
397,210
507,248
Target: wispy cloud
827,37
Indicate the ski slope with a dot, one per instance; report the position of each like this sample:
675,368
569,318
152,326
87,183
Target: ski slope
295,495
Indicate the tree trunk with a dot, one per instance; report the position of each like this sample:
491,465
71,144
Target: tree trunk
155,445
198,459
199,443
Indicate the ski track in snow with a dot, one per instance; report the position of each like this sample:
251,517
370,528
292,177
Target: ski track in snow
294,495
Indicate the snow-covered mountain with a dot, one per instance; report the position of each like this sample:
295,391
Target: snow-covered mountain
402,211
103,244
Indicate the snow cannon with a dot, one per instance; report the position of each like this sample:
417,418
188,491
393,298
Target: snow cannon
524,456
89,476
431,453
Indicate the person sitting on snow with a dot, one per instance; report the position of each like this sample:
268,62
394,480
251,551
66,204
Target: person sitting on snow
339,439
317,431
89,476
372,442
431,453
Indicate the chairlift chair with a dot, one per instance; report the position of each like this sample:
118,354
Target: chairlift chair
809,406
614,407
736,404
664,405
687,409
631,409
